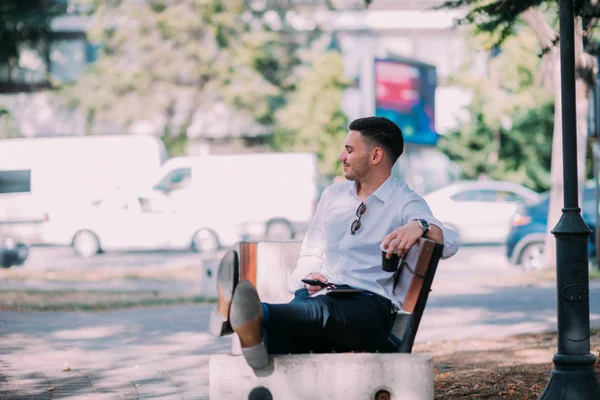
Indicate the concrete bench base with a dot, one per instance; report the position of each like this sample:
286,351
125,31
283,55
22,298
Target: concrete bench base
324,376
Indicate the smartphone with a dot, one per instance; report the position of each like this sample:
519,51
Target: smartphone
316,282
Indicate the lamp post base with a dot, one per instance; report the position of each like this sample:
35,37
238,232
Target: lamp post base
573,378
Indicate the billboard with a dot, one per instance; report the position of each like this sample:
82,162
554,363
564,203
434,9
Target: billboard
405,93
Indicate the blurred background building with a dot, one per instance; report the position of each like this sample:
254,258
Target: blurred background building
430,50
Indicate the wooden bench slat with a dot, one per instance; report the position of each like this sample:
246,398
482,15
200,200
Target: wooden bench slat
426,248
248,267
433,252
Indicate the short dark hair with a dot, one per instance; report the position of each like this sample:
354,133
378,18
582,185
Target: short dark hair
382,132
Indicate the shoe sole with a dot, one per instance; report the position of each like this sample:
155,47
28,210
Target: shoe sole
246,307
227,280
217,325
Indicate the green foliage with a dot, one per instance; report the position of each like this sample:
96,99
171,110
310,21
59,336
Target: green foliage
497,17
312,120
23,21
501,18
509,133
172,58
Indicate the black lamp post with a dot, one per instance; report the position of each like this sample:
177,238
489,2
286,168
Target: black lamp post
573,376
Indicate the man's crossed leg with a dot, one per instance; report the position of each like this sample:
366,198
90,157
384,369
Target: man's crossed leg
320,324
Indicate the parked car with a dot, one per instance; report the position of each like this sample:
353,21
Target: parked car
525,242
129,221
266,195
12,251
37,174
479,210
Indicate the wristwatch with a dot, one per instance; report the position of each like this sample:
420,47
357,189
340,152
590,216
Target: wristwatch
423,224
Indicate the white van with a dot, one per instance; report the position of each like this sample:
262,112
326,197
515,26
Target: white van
243,197
39,175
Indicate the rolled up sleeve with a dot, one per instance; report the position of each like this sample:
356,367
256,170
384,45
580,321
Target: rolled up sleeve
417,208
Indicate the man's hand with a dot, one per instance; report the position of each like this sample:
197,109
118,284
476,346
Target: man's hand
402,239
314,288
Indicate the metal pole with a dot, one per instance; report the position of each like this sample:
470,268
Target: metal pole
596,155
573,376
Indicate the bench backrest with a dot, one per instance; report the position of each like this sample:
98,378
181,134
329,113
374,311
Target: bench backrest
428,256
268,265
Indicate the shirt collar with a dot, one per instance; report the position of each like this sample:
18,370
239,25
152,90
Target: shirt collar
383,192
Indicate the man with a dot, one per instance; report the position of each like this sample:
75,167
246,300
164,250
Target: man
342,245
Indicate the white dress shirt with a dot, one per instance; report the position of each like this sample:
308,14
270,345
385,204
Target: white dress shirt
331,250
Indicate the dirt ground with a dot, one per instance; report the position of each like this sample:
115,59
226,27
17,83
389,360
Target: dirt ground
515,368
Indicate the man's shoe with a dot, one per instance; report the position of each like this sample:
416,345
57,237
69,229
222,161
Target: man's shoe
227,280
246,318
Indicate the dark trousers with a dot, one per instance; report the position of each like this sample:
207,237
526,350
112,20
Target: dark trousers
325,324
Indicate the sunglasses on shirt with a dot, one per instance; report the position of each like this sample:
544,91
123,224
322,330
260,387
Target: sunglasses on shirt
360,211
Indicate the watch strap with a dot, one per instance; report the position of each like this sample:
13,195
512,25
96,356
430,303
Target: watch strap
424,225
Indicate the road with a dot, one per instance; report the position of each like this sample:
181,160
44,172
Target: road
57,258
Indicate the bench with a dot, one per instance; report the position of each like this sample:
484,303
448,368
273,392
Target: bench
268,265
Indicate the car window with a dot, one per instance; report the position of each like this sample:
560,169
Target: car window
18,181
176,180
508,196
476,195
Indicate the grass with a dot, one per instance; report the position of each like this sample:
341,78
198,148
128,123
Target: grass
98,274
73,300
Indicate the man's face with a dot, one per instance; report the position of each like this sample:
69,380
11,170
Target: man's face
355,157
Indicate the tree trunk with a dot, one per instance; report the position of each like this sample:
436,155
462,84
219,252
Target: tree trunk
556,173
582,110
557,189
90,121
550,74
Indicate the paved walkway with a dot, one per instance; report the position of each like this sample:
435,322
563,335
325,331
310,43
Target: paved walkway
154,353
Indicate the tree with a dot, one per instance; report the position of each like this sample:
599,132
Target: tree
312,120
172,58
509,132
24,22
503,18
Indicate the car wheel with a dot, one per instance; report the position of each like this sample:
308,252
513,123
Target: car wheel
279,230
532,256
5,262
22,254
86,244
205,241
